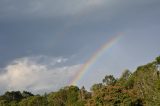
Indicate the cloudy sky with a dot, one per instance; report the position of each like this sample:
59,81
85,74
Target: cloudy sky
44,43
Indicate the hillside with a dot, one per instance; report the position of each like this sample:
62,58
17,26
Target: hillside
140,88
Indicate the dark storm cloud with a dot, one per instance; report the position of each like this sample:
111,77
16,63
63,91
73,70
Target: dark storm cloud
60,27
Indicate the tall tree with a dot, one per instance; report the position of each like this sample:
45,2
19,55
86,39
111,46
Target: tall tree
109,80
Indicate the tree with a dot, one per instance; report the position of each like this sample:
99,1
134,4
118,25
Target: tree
126,79
158,60
57,98
26,94
4,103
96,87
126,74
109,80
72,95
33,101
13,96
82,93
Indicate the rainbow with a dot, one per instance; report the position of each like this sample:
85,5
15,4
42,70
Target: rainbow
94,58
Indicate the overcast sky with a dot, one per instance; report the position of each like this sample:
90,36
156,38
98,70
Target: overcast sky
43,43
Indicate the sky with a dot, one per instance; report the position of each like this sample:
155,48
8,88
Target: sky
44,43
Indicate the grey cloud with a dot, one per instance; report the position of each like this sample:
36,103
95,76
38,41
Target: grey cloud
28,74
44,8
80,25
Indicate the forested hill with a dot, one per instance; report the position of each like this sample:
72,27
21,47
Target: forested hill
141,88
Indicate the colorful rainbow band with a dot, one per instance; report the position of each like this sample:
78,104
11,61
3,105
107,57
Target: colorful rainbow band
94,58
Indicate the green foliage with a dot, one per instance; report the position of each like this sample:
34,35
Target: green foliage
13,96
34,101
4,103
158,60
157,84
96,87
126,75
72,95
109,80
57,98
126,80
26,94
129,83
